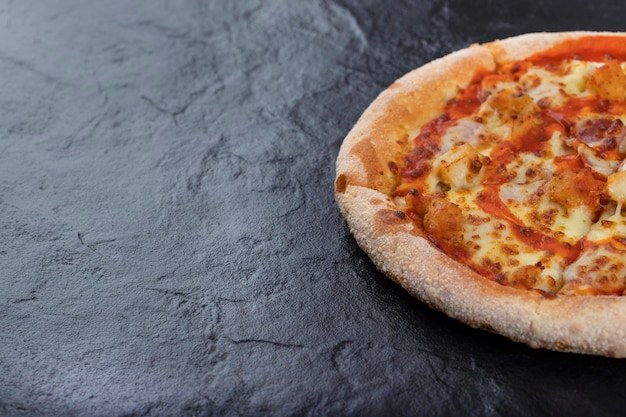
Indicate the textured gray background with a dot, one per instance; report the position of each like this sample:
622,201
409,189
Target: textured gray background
169,242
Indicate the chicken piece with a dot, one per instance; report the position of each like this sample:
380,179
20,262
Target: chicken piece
443,220
513,105
460,167
608,81
572,190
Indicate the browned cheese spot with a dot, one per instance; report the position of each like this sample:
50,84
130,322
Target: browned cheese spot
527,276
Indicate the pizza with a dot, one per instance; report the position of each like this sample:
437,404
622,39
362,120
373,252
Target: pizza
491,184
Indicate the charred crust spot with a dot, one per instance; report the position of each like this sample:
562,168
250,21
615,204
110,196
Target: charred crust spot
341,184
393,167
561,346
485,326
389,220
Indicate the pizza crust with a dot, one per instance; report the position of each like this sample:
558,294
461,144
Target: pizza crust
365,176
524,46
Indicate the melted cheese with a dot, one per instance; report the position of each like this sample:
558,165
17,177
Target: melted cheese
465,131
496,248
576,75
501,166
616,185
537,211
600,270
541,84
609,226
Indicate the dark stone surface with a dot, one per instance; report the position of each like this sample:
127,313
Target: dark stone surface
169,242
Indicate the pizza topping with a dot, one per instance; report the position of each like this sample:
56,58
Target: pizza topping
460,167
443,220
572,190
495,190
616,186
608,82
601,270
522,177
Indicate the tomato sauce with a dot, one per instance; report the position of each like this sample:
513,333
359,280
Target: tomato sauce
571,162
490,202
596,48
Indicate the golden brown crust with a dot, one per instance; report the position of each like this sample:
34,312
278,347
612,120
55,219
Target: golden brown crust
397,246
524,46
